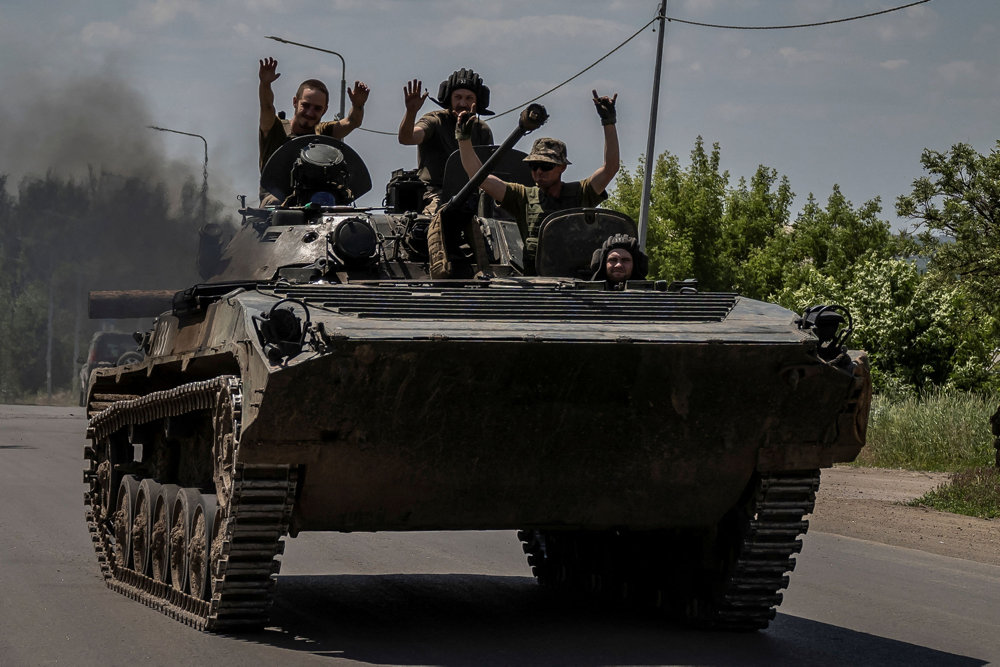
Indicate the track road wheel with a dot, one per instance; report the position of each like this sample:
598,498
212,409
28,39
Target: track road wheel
160,532
200,546
142,525
180,536
128,490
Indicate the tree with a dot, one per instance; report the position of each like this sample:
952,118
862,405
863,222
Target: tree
755,233
960,200
920,331
62,237
684,239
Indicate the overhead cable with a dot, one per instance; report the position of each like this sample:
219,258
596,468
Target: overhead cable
797,25
686,22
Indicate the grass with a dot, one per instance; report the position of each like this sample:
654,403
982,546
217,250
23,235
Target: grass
942,432
972,492
945,432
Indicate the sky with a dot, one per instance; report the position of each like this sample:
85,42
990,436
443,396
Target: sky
851,104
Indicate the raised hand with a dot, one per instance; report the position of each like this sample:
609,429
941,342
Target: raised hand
606,108
412,97
359,94
268,70
464,124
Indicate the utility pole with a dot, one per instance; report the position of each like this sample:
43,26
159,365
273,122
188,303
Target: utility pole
50,331
647,176
204,171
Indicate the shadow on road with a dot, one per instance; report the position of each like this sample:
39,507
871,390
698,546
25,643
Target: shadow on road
495,620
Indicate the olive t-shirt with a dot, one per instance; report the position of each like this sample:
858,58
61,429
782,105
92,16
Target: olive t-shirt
281,132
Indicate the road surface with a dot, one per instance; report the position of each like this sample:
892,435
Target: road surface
449,598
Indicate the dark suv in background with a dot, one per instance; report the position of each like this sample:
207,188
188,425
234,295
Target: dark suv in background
107,348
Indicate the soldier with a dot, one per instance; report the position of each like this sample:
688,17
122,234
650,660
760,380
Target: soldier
310,103
434,133
547,161
618,260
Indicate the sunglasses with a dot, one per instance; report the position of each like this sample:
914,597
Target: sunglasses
544,166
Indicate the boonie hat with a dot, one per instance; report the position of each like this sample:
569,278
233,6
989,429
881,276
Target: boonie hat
547,149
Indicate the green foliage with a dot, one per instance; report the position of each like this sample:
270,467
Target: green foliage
920,333
684,238
974,492
960,200
755,233
944,430
922,329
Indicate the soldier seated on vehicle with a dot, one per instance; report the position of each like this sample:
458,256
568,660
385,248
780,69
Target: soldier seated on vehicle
547,162
618,260
434,133
310,103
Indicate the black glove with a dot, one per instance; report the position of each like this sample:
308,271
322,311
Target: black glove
606,108
463,128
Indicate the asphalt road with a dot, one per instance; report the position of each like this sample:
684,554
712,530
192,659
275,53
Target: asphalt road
449,598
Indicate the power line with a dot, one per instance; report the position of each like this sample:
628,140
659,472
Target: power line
365,129
797,25
586,69
686,22
554,88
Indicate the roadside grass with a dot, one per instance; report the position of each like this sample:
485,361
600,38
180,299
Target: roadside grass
972,492
945,431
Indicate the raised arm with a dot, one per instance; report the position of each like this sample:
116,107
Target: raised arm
409,133
492,186
358,96
601,178
268,74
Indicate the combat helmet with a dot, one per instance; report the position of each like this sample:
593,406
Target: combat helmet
640,263
469,80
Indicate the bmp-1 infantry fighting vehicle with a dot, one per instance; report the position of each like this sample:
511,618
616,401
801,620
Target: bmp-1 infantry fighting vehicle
656,443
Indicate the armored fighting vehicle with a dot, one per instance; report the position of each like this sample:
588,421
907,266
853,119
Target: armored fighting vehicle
656,443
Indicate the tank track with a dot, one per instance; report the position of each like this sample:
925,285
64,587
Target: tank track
256,517
752,552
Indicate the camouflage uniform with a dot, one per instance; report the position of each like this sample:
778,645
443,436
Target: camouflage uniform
529,205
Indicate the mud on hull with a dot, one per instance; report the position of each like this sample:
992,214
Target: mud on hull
416,436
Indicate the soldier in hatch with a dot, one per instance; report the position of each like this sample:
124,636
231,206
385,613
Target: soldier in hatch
547,161
310,102
619,260
434,133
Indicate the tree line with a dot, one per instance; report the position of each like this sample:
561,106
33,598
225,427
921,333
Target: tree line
920,298
61,237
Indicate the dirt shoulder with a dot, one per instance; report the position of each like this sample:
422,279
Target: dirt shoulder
867,503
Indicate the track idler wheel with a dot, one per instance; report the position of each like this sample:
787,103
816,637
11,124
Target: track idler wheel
142,525
160,533
128,491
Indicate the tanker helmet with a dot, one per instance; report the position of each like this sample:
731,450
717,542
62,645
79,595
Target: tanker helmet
468,80
640,263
